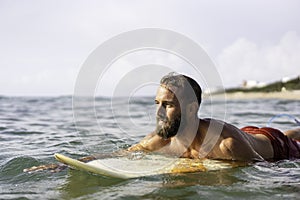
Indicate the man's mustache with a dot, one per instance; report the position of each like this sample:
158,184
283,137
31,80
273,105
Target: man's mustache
162,119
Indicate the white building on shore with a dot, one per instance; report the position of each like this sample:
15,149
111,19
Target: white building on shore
252,83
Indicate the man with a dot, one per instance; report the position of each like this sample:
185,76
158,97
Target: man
180,132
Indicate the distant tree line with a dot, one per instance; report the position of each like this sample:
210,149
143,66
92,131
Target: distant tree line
293,84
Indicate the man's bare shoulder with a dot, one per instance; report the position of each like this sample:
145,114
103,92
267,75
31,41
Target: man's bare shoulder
218,126
225,129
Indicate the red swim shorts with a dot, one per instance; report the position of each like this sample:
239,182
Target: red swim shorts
283,146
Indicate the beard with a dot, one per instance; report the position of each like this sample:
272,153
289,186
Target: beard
166,128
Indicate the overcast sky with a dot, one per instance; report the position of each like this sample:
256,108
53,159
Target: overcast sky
43,44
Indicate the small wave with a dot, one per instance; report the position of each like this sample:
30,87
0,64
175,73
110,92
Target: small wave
273,174
39,124
21,132
12,170
10,119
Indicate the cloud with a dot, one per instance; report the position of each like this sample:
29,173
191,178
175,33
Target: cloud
247,60
42,43
143,67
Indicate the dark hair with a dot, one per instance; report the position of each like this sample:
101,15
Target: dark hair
184,82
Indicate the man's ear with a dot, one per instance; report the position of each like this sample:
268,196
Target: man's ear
193,109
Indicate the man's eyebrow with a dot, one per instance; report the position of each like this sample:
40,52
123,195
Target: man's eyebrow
166,101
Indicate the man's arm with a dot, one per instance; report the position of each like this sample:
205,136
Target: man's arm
237,149
238,145
141,146
59,167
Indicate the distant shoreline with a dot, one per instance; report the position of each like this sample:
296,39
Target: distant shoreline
290,95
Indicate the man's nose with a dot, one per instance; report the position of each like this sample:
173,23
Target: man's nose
161,111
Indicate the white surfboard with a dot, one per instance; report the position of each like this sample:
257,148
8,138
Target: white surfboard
125,168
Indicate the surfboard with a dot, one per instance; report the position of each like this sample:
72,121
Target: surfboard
149,165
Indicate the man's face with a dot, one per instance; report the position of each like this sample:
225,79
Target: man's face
168,113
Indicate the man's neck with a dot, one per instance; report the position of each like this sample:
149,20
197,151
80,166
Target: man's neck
189,133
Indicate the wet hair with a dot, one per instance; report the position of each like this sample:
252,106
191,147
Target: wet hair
186,83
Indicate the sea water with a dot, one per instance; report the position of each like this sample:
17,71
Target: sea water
32,129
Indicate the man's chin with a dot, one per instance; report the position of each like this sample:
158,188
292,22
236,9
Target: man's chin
165,135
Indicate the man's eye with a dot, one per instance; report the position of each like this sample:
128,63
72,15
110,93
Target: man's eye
169,105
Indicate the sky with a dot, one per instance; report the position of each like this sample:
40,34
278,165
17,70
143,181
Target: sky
43,44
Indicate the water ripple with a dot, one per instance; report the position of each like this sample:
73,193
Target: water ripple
32,129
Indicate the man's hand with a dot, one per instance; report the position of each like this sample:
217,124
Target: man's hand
51,167
56,167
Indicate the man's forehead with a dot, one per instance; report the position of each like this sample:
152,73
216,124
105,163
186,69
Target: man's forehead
170,91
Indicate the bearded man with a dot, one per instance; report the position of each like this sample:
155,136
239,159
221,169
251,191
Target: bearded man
180,132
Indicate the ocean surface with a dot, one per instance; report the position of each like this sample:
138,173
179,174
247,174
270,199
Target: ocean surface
32,129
